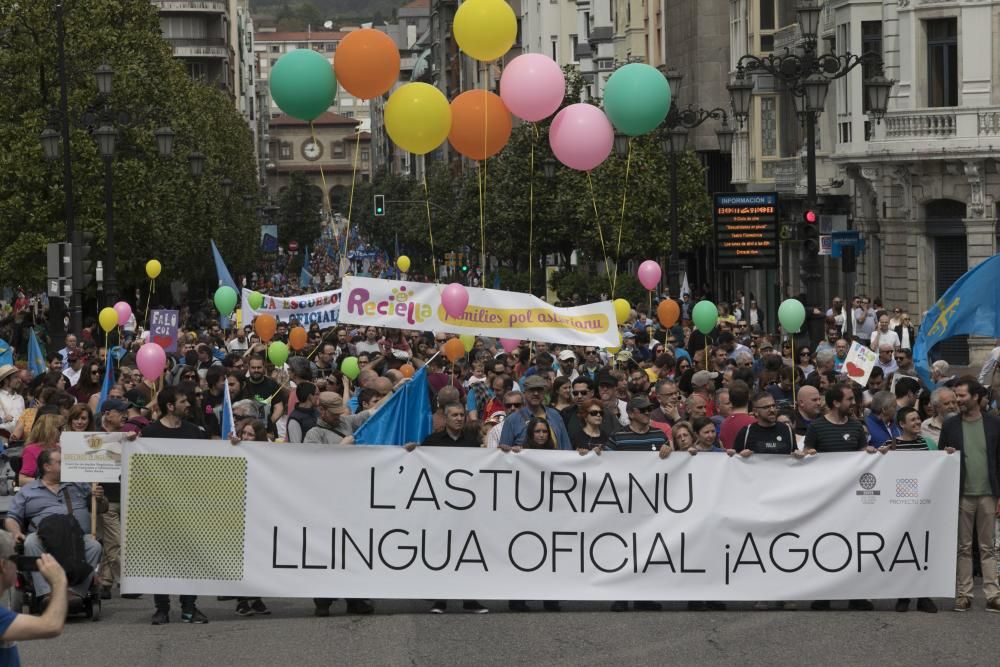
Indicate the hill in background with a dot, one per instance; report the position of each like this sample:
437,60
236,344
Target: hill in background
292,15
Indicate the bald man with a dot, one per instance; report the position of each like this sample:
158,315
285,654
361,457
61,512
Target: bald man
809,406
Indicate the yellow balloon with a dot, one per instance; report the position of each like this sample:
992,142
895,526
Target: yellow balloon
108,319
614,350
468,340
622,310
403,263
418,118
153,268
485,29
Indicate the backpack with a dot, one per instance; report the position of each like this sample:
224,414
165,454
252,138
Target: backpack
62,537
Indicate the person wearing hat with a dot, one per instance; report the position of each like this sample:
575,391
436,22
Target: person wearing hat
567,364
703,384
335,425
639,436
114,412
514,431
607,391
11,401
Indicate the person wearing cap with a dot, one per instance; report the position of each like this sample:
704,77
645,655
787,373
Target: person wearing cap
11,401
137,417
114,412
335,424
703,384
515,431
511,401
567,364
607,391
639,436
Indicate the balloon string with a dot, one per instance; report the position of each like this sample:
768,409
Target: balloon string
621,222
795,368
482,192
481,182
322,174
149,296
350,201
531,207
600,232
430,230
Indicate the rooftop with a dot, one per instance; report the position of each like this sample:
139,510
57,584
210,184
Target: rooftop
314,36
325,118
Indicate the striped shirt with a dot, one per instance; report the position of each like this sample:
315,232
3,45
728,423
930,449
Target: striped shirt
627,440
825,436
918,445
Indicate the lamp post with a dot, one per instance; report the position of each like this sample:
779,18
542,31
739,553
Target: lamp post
807,74
673,140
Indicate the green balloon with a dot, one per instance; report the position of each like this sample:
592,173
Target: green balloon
792,315
705,316
636,99
302,84
349,367
277,352
225,300
256,300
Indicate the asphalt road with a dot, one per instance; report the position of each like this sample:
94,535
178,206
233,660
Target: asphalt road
403,633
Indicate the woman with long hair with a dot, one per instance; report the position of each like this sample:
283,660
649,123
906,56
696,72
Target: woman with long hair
561,393
44,435
80,418
89,383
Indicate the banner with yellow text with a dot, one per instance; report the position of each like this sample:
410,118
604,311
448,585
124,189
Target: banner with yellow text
297,520
494,313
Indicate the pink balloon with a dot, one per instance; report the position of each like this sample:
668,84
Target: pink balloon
532,86
151,360
124,312
455,298
509,344
649,274
581,136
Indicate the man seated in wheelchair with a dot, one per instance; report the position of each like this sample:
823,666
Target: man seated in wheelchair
41,508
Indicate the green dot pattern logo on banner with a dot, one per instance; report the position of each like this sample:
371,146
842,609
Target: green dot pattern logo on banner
186,517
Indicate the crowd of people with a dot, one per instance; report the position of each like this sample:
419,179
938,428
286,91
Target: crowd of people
736,391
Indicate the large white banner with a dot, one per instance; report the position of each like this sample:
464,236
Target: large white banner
321,307
321,521
495,313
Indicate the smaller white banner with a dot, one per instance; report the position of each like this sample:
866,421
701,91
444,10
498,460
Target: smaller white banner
859,363
406,305
91,457
321,307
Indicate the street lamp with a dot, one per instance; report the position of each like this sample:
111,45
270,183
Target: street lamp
227,187
165,141
621,144
104,75
50,144
197,161
807,75
673,141
549,168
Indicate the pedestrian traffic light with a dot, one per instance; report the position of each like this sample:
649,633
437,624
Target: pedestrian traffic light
379,204
81,250
810,231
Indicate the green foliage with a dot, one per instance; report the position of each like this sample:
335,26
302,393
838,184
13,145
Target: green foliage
584,286
160,210
300,211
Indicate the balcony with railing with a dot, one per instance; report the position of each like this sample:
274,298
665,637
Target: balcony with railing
934,129
191,6
199,47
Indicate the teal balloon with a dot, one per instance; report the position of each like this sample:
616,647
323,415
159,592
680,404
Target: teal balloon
302,84
350,368
705,316
636,99
277,352
256,300
792,315
225,300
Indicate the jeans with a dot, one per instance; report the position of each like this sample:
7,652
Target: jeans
162,602
91,551
978,511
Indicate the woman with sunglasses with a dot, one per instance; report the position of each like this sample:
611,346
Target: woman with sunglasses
804,361
89,383
593,435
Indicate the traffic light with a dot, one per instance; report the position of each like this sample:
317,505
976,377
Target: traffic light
379,204
810,231
81,247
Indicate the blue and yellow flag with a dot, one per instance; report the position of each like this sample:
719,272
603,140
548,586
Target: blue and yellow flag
971,306
405,417
36,357
6,353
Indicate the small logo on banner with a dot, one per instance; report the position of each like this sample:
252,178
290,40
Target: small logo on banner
868,491
907,488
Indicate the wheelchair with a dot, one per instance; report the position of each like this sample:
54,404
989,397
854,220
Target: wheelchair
81,600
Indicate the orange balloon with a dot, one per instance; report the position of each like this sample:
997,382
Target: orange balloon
367,63
265,326
297,338
407,370
480,124
454,350
667,312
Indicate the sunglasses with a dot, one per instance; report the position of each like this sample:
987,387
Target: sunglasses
581,393
512,405
645,410
595,413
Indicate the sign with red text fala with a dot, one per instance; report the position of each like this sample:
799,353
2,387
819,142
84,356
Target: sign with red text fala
453,523
495,313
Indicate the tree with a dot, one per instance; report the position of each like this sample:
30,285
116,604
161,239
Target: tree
300,208
160,210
